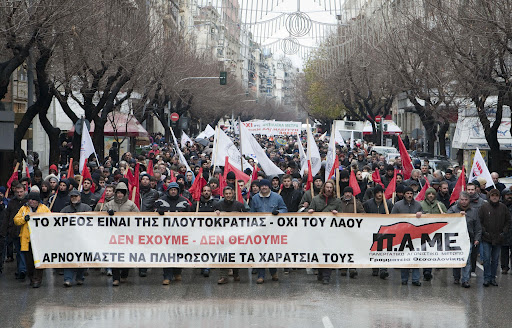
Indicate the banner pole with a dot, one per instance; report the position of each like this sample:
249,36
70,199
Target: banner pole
385,203
15,170
216,140
355,208
53,200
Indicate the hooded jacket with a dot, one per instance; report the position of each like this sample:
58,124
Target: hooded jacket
121,205
148,197
173,204
434,207
19,220
61,198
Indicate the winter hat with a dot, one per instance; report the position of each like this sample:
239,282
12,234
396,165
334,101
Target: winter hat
264,182
348,189
406,189
34,196
54,167
231,176
400,188
494,191
430,190
2,189
35,188
173,185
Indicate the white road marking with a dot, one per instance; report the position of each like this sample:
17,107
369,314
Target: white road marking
478,265
327,322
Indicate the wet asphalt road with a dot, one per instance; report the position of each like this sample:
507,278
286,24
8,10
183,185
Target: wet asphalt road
296,300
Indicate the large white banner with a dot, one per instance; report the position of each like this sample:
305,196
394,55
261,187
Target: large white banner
273,128
298,240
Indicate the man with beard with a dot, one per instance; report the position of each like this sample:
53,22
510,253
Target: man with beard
325,201
120,203
444,194
409,206
206,204
495,219
148,196
75,206
347,206
172,202
375,205
431,205
291,196
506,248
475,233
228,204
475,201
306,198
61,197
86,195
390,173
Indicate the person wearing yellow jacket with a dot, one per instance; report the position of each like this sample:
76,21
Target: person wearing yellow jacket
21,219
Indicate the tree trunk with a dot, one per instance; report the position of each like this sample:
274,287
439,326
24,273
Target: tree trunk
98,139
53,136
442,140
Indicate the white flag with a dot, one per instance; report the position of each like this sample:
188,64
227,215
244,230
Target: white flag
207,133
331,155
178,150
185,139
250,146
479,169
222,147
338,138
303,157
86,147
352,140
313,153
322,137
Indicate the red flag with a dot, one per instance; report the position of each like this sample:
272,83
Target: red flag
406,160
376,177
334,167
238,174
197,186
27,173
173,177
459,186
13,177
310,176
71,173
239,196
255,173
102,199
421,195
86,174
150,170
354,184
391,187
136,199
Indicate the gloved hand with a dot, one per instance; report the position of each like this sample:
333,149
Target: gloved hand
161,212
110,212
275,212
27,218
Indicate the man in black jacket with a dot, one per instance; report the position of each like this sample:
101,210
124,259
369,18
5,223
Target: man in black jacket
10,230
75,206
206,204
228,204
291,196
495,219
148,197
172,202
444,193
61,197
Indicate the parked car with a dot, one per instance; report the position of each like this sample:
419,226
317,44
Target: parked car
385,150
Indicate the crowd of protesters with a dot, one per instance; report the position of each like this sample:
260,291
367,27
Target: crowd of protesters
164,186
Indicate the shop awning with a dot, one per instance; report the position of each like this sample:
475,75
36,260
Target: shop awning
120,124
469,134
393,129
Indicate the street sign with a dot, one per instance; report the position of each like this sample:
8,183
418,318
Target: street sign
79,125
175,117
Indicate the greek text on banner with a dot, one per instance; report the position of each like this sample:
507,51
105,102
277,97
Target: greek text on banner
244,240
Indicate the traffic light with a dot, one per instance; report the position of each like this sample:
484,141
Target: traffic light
223,78
386,127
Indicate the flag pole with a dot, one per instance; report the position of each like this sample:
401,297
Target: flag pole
241,153
355,208
15,170
336,171
337,175
53,200
385,202
216,149
309,160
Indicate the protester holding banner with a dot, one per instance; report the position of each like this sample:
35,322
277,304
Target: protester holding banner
475,233
21,219
409,206
120,203
75,206
228,204
269,202
291,196
172,202
325,201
